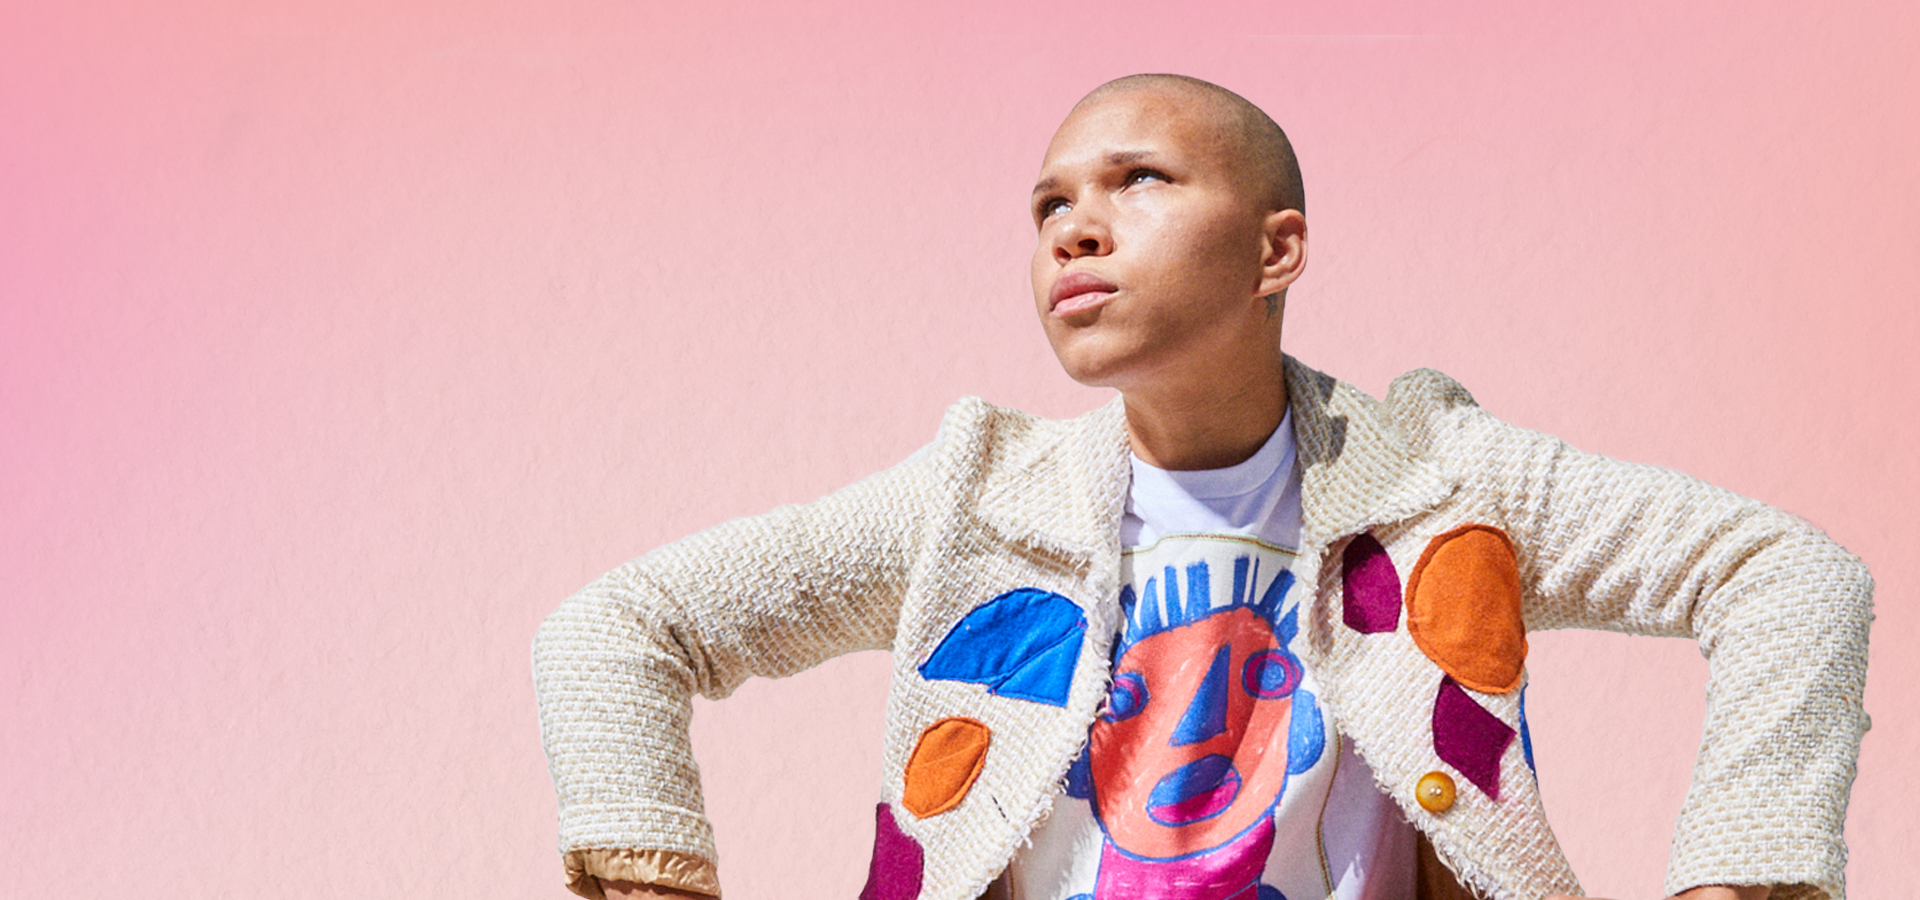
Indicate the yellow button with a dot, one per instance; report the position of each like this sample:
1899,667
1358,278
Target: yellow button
1435,792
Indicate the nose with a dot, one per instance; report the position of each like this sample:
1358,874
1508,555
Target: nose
1206,714
1082,232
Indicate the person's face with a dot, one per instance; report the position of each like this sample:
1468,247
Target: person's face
1150,252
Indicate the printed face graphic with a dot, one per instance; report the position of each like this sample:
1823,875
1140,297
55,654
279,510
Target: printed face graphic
1192,750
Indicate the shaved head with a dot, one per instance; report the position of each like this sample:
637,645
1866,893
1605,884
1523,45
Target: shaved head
1266,159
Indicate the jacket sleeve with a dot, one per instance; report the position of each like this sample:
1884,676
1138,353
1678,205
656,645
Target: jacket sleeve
615,666
1779,610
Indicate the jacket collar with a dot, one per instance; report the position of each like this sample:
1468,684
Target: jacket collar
1063,486
1357,468
1064,492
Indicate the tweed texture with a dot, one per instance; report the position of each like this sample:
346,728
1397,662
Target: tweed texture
1002,500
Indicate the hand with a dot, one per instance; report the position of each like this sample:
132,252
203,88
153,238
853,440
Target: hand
1708,892
633,890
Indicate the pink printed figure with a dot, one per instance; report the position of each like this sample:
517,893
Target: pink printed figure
1205,721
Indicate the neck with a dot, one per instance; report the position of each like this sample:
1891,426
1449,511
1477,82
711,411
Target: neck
1210,423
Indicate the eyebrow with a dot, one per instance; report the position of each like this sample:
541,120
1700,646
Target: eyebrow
1116,158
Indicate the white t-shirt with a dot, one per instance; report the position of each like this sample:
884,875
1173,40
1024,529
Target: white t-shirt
1213,773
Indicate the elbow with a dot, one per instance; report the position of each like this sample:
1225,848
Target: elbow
1795,581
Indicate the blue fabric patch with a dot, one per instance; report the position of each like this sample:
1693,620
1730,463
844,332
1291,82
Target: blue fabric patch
1023,644
1046,677
1526,737
1306,733
1269,892
1206,715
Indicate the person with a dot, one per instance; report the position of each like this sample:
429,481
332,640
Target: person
1245,632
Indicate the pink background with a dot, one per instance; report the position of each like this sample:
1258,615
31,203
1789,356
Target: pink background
338,344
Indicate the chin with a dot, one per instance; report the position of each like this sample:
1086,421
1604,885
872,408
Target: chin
1090,369
1099,357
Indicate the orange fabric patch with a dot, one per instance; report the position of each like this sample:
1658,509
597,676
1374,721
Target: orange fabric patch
1463,608
944,765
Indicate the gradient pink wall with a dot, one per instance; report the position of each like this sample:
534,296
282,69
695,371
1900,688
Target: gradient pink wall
338,344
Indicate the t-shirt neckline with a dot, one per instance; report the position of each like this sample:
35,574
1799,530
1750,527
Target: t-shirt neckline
1232,481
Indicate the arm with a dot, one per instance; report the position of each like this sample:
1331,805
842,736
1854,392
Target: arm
616,665
1779,610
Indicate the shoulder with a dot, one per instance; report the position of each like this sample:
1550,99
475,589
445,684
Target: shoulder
1441,420
1424,414
1428,389
1423,402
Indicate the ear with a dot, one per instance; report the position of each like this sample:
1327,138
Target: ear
1283,238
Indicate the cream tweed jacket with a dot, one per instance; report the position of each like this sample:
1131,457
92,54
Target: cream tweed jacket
1002,500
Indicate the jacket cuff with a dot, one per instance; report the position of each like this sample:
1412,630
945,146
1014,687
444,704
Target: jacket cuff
665,868
1772,848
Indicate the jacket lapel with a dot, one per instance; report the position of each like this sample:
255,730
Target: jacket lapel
1064,487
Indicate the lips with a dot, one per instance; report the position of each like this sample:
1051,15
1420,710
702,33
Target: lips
1077,292
1195,792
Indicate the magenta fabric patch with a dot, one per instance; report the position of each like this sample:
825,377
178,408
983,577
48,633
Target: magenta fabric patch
1369,587
898,861
1469,738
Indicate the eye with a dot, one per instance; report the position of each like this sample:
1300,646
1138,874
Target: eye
1141,176
1270,675
1126,698
1050,207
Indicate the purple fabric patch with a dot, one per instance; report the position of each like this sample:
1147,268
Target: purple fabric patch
1369,587
898,860
1469,738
